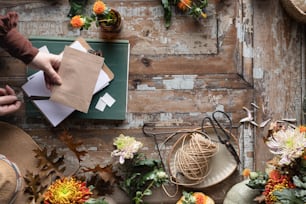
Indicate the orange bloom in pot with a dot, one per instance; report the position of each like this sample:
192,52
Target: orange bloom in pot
99,7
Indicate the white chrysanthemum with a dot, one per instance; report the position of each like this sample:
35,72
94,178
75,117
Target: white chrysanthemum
126,147
289,144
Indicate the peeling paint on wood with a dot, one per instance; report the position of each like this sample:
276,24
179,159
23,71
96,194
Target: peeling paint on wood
246,51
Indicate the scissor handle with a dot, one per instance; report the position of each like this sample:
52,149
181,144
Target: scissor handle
226,133
211,123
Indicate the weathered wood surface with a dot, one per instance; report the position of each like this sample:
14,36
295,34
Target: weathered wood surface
279,67
246,51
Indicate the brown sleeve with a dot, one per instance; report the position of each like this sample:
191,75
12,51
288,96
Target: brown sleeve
13,42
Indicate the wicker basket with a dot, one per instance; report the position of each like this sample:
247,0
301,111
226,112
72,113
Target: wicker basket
294,10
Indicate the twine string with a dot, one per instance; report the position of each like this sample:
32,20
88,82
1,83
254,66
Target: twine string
192,157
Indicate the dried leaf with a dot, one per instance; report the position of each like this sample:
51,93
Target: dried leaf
50,163
106,173
34,187
101,187
73,146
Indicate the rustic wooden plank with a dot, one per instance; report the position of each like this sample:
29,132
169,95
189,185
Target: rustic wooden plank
210,81
277,68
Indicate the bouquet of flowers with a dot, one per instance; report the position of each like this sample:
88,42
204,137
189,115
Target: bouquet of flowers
138,174
285,178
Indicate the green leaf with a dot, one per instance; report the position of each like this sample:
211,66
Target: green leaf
167,12
188,198
76,7
147,192
147,177
96,201
298,183
301,194
287,196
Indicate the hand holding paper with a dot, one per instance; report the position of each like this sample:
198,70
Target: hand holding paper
79,72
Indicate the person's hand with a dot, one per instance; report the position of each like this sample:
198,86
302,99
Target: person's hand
49,63
9,102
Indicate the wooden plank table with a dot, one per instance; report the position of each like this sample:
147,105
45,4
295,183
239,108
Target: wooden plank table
245,51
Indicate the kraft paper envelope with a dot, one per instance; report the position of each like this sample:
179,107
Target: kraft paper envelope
105,68
79,72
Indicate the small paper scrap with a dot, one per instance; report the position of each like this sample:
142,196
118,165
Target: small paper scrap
101,104
106,100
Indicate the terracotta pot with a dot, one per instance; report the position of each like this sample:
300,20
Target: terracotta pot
111,25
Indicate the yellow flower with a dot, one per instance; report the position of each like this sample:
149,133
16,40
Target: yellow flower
77,21
66,191
204,15
99,7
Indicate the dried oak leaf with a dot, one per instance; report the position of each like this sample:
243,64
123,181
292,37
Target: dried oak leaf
102,179
34,187
105,173
73,146
50,163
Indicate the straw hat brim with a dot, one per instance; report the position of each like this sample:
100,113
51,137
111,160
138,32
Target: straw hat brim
221,166
18,147
294,11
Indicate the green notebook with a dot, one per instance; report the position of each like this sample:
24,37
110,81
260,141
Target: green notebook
116,54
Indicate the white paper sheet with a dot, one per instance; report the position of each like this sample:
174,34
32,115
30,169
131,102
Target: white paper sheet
53,111
36,85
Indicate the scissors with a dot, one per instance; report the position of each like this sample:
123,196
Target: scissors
222,134
20,97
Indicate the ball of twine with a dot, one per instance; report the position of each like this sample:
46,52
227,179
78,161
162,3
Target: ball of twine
192,158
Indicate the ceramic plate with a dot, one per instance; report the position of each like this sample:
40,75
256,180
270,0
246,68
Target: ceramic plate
221,166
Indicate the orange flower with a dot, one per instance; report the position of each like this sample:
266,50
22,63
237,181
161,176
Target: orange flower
200,197
274,175
77,21
302,129
67,190
246,172
99,7
276,182
184,4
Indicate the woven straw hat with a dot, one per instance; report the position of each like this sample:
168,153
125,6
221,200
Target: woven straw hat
16,157
296,9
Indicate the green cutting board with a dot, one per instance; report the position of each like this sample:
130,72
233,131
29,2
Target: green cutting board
116,54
